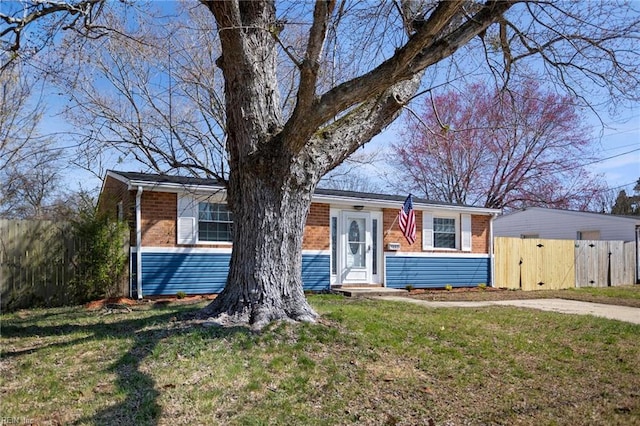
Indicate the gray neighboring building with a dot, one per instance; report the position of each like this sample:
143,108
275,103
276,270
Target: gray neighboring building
540,222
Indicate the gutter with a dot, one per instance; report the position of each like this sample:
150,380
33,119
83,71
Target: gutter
173,187
339,201
139,242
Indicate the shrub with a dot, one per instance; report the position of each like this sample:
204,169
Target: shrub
181,295
448,287
101,258
409,287
482,286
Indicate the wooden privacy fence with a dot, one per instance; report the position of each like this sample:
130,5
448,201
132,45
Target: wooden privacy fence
36,263
605,263
536,264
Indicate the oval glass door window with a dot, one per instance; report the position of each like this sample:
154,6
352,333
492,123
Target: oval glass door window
354,237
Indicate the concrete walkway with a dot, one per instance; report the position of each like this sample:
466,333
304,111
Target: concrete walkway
620,313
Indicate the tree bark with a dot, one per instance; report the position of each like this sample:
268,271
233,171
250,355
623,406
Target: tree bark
268,192
265,273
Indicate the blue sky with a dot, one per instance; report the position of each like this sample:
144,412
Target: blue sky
621,141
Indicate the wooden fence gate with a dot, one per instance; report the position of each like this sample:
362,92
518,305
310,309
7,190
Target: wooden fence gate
537,264
534,264
604,263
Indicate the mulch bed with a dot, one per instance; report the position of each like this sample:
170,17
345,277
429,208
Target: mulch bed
457,290
152,300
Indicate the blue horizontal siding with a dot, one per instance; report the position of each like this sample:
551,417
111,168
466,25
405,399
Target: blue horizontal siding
192,273
316,272
433,272
204,273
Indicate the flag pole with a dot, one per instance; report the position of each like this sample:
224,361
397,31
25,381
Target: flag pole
392,223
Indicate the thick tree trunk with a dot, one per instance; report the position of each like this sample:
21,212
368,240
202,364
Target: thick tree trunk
265,274
268,194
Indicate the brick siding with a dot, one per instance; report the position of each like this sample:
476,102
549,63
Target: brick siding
158,212
480,233
114,192
392,234
316,230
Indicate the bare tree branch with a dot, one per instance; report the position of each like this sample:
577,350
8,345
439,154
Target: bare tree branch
82,14
498,149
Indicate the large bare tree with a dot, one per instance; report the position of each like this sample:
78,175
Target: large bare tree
349,68
499,149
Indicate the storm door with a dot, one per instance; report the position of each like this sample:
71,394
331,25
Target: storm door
356,248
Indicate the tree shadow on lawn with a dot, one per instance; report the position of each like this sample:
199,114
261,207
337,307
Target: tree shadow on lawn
140,404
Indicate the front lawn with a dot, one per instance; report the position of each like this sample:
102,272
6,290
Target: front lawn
365,362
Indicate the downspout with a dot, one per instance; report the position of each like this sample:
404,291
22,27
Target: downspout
491,254
139,242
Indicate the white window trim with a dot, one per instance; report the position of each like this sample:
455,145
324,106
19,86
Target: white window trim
461,220
208,242
466,232
456,225
187,220
334,214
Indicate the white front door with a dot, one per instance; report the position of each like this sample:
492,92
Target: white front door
356,247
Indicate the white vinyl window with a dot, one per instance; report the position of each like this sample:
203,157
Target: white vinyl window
446,231
203,220
215,222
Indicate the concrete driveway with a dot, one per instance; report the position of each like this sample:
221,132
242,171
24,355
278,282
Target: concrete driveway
620,313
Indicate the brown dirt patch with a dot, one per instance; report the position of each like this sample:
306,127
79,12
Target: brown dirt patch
99,304
184,300
152,300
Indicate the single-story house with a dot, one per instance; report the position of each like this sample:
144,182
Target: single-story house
181,238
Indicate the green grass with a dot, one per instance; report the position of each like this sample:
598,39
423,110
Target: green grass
365,362
626,292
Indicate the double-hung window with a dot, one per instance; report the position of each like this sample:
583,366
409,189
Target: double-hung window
215,222
444,232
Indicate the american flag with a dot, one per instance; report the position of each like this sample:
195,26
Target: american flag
407,220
